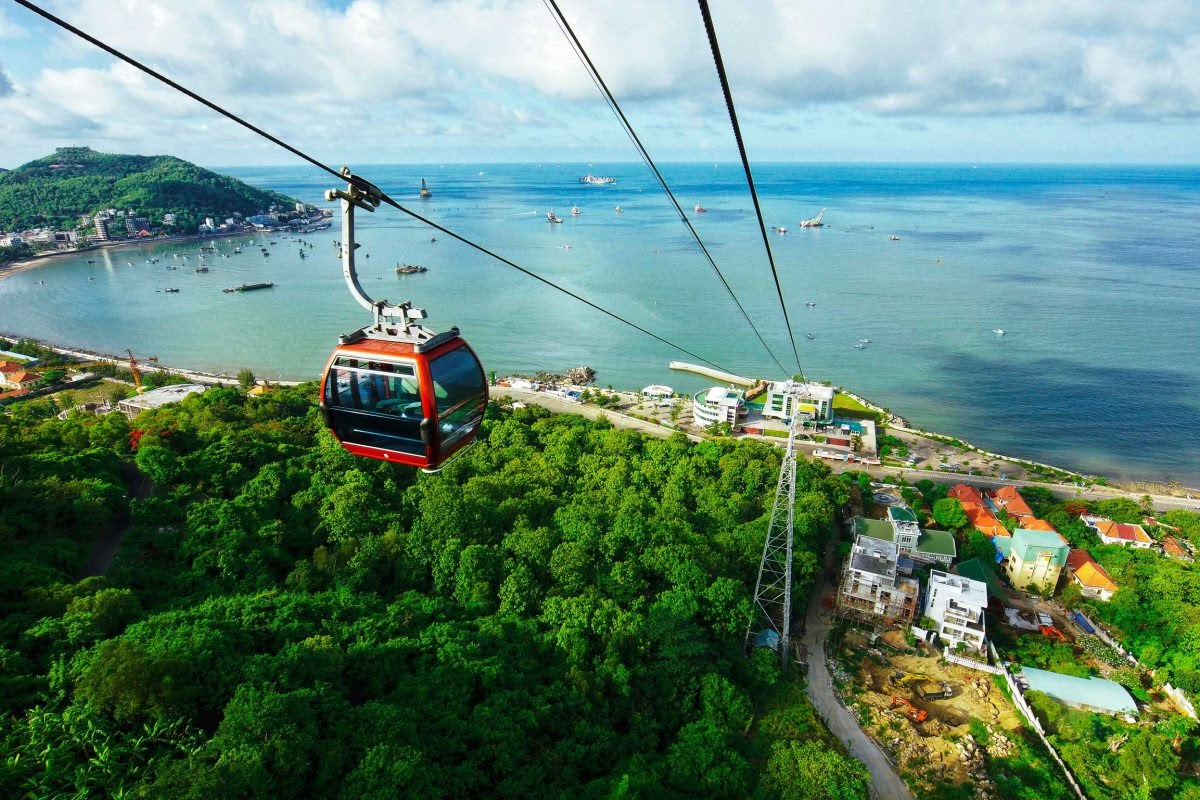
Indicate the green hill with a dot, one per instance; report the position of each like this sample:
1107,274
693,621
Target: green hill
57,190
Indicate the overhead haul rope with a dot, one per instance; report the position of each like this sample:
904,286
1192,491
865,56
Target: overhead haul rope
360,182
737,133
594,74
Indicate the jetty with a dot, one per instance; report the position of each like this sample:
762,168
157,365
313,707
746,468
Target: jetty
721,375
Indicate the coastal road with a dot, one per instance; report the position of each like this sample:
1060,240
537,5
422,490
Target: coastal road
885,783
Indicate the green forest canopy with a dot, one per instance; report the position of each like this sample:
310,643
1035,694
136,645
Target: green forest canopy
57,190
561,612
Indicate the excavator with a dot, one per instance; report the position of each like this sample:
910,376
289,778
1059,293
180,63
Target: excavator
922,686
917,715
1052,632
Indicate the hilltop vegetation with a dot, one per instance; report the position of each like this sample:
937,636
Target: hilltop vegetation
56,190
559,613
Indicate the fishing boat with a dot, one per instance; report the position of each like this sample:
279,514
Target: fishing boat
810,335
171,291
998,331
864,341
894,237
700,209
201,269
780,229
860,347
575,212
597,180
410,269
811,304
552,217
619,210
425,193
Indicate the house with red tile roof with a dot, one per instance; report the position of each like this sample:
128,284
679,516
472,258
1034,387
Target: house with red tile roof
20,380
9,367
984,520
966,494
1010,500
1122,533
1174,549
1035,524
1091,578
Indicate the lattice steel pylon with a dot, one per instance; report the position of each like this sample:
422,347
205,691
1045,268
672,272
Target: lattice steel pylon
772,621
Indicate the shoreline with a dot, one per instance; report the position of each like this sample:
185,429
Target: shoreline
894,421
17,267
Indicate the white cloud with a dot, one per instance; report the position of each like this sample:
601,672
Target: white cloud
390,75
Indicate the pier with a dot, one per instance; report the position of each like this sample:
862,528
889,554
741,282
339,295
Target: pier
709,372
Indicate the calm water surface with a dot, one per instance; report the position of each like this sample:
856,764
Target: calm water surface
1091,271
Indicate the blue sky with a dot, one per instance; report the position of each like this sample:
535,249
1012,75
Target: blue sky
376,81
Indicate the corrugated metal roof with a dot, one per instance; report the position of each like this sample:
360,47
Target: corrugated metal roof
1096,693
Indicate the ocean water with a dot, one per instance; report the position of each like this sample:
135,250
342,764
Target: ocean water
1091,271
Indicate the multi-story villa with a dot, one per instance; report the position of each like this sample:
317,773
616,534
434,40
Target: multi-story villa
871,586
717,405
1034,559
956,604
808,401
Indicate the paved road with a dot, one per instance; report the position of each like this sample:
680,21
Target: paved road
885,783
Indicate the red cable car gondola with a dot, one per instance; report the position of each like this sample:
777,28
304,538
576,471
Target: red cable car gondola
395,390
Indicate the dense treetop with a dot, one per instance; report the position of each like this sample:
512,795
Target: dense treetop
56,190
558,613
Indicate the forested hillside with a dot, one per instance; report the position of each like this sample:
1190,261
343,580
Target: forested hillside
559,613
54,191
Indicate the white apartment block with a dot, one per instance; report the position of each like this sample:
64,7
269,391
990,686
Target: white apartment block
956,604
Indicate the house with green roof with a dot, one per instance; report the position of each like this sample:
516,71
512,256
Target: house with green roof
1035,559
931,546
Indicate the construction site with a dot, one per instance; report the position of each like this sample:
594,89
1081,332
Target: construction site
920,709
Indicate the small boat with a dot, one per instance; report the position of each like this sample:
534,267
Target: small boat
410,269
860,347
894,237
780,229
811,304
700,209
597,180
552,217
864,341
201,269
998,331
425,193
91,261
171,291
575,212
810,335
619,210
237,249
248,287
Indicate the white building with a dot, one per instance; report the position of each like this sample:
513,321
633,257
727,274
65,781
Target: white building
789,399
956,604
717,405
157,398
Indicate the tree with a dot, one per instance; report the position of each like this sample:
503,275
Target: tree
949,513
811,771
246,379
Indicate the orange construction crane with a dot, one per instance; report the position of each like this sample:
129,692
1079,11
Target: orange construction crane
909,710
133,369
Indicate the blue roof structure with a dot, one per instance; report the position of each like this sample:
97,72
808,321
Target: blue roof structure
1093,694
1003,545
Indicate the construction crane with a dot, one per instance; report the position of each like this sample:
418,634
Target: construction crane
134,371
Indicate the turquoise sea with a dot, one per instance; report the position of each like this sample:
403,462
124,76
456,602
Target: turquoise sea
1091,271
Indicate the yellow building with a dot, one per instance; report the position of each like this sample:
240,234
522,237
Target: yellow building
1035,559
